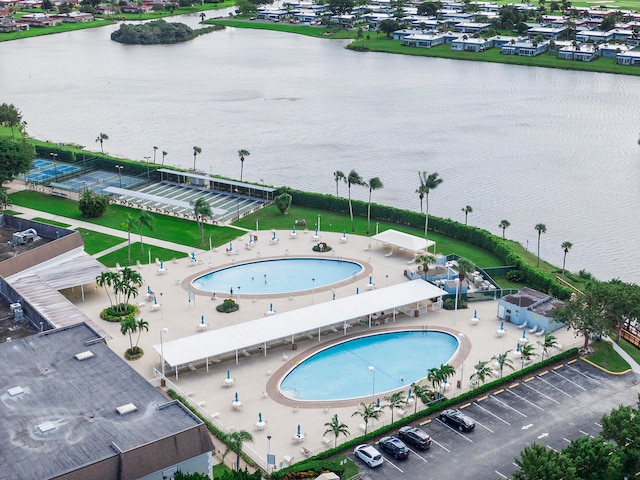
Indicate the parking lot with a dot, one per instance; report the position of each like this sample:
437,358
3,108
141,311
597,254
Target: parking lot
551,407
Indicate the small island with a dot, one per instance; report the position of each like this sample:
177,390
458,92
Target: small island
157,32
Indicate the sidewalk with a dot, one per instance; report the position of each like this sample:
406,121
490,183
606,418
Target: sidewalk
634,365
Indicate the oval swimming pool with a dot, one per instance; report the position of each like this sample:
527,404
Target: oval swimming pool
343,371
278,276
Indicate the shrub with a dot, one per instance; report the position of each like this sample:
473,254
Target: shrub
516,276
114,313
228,306
322,247
283,202
450,304
93,205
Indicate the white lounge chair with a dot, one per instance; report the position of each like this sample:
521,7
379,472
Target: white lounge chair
245,353
534,329
540,332
389,254
523,325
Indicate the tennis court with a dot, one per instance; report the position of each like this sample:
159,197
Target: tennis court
50,173
39,163
97,181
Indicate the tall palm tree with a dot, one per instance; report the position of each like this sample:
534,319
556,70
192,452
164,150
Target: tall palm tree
503,360
367,412
155,149
566,246
336,427
144,220
201,210
525,353
482,371
242,153
467,210
202,16
101,138
234,443
338,176
164,154
504,224
106,279
196,151
465,267
129,224
446,372
550,341
128,282
141,325
373,184
424,261
541,228
129,326
395,400
420,192
433,376
428,182
420,392
352,179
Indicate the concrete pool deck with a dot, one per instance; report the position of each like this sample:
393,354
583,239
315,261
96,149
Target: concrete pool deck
256,376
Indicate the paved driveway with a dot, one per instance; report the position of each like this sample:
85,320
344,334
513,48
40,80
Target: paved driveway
551,407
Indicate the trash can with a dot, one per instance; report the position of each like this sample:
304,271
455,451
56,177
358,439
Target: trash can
508,318
294,346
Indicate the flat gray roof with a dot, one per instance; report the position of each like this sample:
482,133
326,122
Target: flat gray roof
209,178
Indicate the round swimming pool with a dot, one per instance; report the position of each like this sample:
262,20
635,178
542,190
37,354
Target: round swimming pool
278,276
343,371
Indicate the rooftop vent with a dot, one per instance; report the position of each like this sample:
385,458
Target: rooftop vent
15,391
46,427
128,408
84,355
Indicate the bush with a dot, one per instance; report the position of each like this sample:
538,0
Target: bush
116,313
228,306
93,205
450,304
321,247
283,202
516,276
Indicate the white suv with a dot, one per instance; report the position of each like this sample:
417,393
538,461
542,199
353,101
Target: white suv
368,455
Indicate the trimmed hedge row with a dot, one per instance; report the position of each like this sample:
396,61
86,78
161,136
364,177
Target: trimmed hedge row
447,227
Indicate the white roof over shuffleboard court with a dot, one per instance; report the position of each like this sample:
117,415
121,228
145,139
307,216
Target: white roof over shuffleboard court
215,343
403,240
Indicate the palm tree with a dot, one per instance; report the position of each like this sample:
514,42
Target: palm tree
446,372
202,16
128,326
144,220
465,267
128,282
201,210
338,176
352,179
467,210
101,138
395,400
433,376
503,360
420,392
420,192
374,184
427,183
155,149
566,246
164,154
196,152
336,427
106,279
234,443
550,341
541,228
141,325
242,153
482,371
525,353
367,412
424,261
504,224
129,224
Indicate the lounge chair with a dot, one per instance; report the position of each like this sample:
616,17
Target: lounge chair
245,353
389,254
534,329
540,332
523,325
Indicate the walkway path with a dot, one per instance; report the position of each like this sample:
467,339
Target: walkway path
634,365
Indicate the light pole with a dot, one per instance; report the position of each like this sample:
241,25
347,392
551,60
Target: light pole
162,330
161,307
147,159
455,308
386,280
120,167
313,295
372,369
268,452
237,204
55,168
461,337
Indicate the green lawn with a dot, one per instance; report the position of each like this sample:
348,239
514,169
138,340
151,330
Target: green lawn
120,256
63,27
51,222
165,227
607,358
95,242
632,350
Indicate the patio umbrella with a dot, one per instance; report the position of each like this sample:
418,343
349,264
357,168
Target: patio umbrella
229,374
149,289
271,307
409,394
298,429
518,347
230,247
524,333
274,235
294,229
155,300
344,233
202,319
193,256
334,295
475,314
370,279
378,403
161,265
316,231
357,290
501,325
236,396
259,417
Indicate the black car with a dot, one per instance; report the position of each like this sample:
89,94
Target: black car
395,447
415,436
457,419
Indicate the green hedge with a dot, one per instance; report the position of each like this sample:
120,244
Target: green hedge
444,226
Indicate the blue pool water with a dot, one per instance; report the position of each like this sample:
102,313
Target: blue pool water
278,276
342,371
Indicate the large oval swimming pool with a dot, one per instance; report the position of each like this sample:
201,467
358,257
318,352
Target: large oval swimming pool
368,366
278,276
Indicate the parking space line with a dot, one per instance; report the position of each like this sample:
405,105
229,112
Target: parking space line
482,398
586,434
501,475
419,456
425,422
454,430
551,448
553,386
543,373
588,377
394,465
572,361
464,406
441,446
529,379
571,381
492,414
509,406
557,367
525,400
544,395
485,427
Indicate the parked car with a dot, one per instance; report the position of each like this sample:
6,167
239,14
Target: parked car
457,419
369,455
415,436
395,447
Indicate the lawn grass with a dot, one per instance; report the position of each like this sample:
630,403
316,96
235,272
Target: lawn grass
63,27
632,350
165,227
271,218
11,212
96,242
51,222
606,357
120,255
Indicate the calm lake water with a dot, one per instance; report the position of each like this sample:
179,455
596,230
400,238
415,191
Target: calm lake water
529,145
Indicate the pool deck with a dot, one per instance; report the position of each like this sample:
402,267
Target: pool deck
256,375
